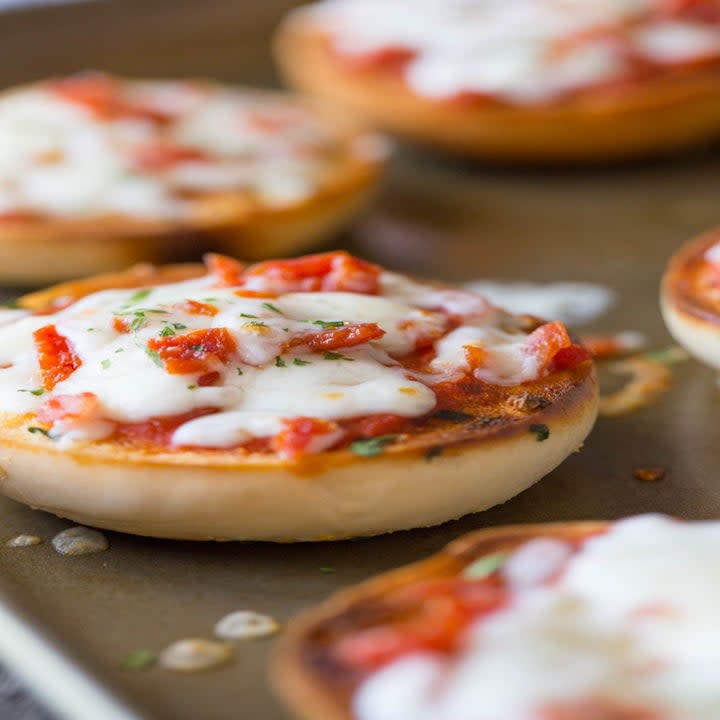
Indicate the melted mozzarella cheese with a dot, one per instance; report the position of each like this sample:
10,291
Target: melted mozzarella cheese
254,393
272,375
631,621
510,49
58,158
507,359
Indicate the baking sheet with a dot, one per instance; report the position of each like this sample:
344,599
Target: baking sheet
436,217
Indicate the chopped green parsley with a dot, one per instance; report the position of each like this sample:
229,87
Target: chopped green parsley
138,660
541,431
154,355
329,323
433,452
485,566
369,447
336,356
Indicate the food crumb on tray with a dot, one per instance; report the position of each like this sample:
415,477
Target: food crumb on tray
244,624
194,655
23,540
80,541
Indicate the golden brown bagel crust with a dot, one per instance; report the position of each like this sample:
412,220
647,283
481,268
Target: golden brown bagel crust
656,116
45,249
692,318
484,457
310,681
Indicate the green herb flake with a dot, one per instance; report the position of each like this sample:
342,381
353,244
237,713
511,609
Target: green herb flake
179,326
138,296
192,387
120,350
453,415
370,447
138,323
272,308
39,431
167,331
210,299
485,566
336,356
105,364
279,362
327,570
37,391
138,660
433,452
329,324
541,430
239,371
90,329
247,315
154,355
299,362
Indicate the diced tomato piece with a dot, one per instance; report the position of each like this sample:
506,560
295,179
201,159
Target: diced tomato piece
267,123
56,305
372,426
387,58
56,357
208,379
69,407
193,307
120,325
330,272
163,156
339,338
700,10
94,90
194,352
254,294
158,431
597,709
431,616
546,341
570,357
227,270
371,649
103,96
303,435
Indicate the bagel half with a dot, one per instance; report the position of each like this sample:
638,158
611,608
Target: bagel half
529,621
39,245
691,313
661,114
479,448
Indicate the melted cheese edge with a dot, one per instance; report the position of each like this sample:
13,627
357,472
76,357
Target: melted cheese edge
58,158
632,620
256,391
507,49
